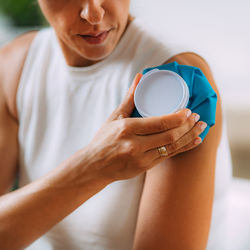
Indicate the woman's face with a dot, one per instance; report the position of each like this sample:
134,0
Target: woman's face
78,24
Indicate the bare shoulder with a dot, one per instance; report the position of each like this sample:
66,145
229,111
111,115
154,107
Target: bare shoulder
194,59
12,58
188,58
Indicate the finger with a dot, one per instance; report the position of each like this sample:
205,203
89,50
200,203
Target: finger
151,155
187,138
193,144
196,142
125,109
170,136
156,124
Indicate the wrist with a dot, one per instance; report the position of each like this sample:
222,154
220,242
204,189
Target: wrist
81,171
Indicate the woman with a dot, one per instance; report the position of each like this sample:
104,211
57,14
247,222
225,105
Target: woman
91,177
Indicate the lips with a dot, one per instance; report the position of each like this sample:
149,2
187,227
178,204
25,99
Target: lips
94,34
95,38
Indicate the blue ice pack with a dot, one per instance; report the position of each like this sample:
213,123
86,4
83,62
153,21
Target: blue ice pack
202,97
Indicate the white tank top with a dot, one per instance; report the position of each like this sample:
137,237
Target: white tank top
61,108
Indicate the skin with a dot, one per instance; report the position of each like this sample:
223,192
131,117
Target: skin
133,141
95,15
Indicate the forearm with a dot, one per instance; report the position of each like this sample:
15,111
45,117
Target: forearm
29,212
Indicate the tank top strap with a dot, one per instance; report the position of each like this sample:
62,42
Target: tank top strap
39,54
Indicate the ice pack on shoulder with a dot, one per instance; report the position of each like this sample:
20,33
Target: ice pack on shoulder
170,87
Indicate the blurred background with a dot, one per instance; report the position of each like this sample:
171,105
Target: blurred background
216,29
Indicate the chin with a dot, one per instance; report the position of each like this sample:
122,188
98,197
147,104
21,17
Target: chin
96,55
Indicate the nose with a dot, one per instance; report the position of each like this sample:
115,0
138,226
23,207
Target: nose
92,11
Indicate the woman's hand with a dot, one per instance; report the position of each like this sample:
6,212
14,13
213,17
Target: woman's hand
125,147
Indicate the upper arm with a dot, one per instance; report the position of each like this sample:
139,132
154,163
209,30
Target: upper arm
12,57
8,145
176,204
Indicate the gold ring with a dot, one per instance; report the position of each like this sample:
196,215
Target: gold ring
120,117
163,151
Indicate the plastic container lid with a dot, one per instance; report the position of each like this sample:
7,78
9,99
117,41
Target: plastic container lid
160,92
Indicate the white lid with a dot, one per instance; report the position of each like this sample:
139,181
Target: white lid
160,92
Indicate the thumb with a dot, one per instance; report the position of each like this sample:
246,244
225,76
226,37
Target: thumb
126,107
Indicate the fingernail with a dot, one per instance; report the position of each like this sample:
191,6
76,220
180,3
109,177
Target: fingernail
197,118
203,125
197,141
189,112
